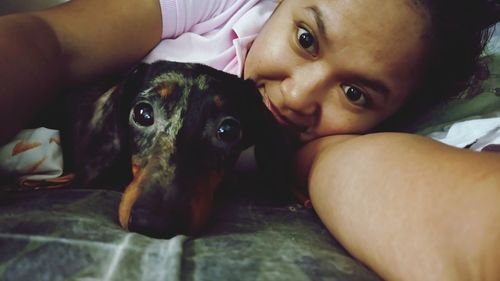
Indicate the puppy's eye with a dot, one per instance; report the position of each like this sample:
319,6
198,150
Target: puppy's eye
143,114
229,130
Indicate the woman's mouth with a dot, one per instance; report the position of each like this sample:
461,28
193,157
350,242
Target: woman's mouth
282,120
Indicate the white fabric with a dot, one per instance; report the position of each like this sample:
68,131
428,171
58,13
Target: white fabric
473,134
33,154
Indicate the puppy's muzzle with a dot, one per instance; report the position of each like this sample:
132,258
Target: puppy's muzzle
165,215
161,203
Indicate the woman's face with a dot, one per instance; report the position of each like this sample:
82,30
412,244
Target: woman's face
327,67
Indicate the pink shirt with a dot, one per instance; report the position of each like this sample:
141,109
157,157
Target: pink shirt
217,33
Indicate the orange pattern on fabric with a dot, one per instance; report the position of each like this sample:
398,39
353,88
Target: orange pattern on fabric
59,182
21,147
35,166
55,140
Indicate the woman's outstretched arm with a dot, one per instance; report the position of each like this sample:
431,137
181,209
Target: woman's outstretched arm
42,52
407,206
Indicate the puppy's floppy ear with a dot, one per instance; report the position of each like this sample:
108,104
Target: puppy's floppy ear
101,139
273,149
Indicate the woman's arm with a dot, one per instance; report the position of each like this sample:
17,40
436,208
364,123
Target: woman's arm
407,206
42,52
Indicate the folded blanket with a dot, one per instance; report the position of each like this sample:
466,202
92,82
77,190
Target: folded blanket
34,158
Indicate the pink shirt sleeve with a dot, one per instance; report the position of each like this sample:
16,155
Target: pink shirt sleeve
180,16
217,33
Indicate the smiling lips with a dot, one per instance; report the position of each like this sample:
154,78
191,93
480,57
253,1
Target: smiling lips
282,120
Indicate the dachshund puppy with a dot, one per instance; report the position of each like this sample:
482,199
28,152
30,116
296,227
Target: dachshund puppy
168,134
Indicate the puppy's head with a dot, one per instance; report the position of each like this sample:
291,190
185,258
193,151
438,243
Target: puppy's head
187,124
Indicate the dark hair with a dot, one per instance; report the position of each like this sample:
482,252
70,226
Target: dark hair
460,30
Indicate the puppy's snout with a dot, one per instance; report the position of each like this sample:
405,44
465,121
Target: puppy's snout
145,221
164,219
161,205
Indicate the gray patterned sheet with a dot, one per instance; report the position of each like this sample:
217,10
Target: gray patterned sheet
74,235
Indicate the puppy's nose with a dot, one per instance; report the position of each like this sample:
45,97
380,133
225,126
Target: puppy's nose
157,225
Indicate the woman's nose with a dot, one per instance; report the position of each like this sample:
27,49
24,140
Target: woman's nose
300,95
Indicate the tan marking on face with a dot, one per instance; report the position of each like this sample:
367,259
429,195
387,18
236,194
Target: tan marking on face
165,89
219,102
135,169
129,198
202,202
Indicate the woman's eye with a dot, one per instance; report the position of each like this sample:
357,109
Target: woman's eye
355,95
306,40
143,114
